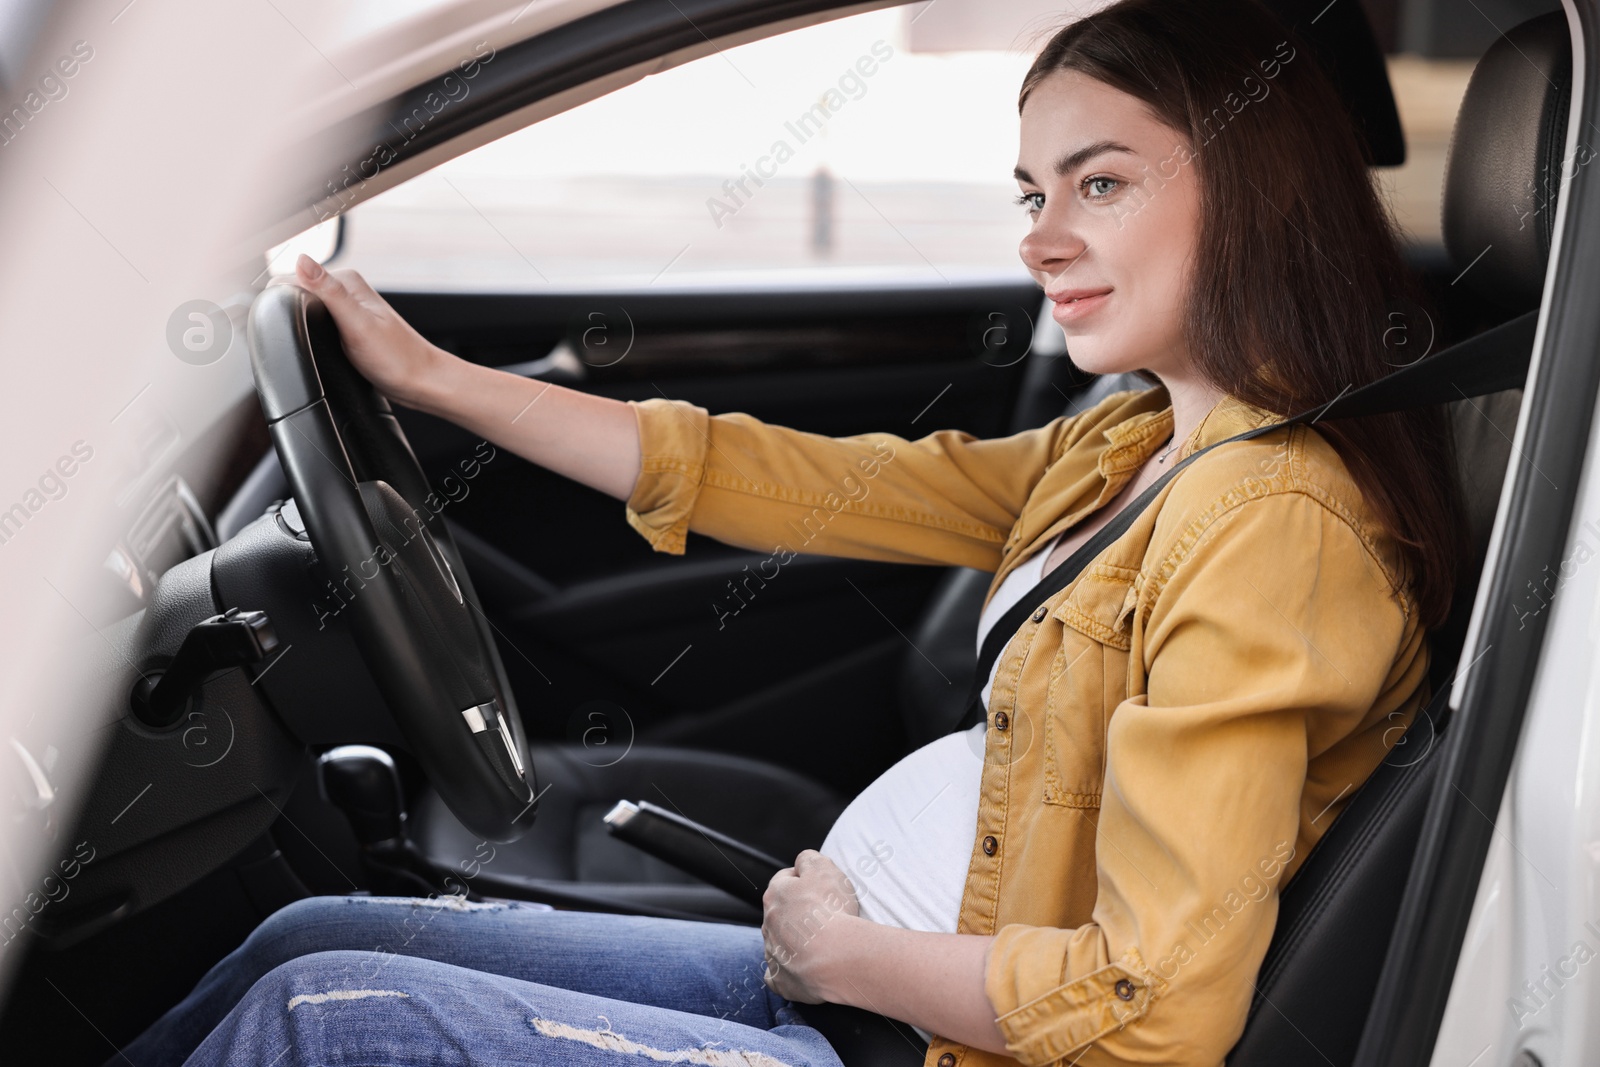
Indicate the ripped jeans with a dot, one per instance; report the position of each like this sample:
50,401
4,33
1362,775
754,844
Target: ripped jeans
407,982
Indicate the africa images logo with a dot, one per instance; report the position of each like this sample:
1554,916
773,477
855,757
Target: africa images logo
51,86
851,85
52,485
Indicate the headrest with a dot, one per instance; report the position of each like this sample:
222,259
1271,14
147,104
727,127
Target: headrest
1504,169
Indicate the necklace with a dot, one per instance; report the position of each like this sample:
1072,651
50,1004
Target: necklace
1163,457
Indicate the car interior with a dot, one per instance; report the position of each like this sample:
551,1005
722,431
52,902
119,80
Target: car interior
757,707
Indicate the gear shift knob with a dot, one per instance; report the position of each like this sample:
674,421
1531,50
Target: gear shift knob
362,782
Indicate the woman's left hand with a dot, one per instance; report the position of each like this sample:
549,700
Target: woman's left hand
805,913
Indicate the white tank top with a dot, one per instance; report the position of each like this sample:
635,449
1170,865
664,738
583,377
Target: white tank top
906,841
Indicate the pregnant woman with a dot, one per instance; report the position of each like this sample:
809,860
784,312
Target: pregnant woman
1090,874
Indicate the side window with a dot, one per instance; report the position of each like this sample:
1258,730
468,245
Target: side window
862,150
871,151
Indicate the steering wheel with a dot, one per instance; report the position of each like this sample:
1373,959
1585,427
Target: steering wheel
379,535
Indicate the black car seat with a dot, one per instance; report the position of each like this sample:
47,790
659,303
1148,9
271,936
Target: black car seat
1337,914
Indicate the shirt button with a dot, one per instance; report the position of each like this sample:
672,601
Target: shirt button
1125,989
1038,616
947,1060
990,845
1001,720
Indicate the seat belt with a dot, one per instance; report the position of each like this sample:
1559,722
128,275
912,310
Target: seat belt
1492,361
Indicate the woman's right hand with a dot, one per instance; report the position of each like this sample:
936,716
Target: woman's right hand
590,439
385,348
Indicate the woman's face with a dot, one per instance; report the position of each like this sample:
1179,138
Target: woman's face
1114,202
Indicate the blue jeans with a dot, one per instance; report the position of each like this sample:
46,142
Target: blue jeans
345,981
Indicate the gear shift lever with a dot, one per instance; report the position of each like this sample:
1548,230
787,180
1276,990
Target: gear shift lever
362,782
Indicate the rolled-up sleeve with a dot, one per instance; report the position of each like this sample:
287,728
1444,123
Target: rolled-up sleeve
1269,624
673,442
947,498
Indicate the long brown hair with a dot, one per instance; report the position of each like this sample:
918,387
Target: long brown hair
1299,291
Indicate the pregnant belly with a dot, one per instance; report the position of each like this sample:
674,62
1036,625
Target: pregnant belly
906,841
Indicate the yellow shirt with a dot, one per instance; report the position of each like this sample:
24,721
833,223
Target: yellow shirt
1166,743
